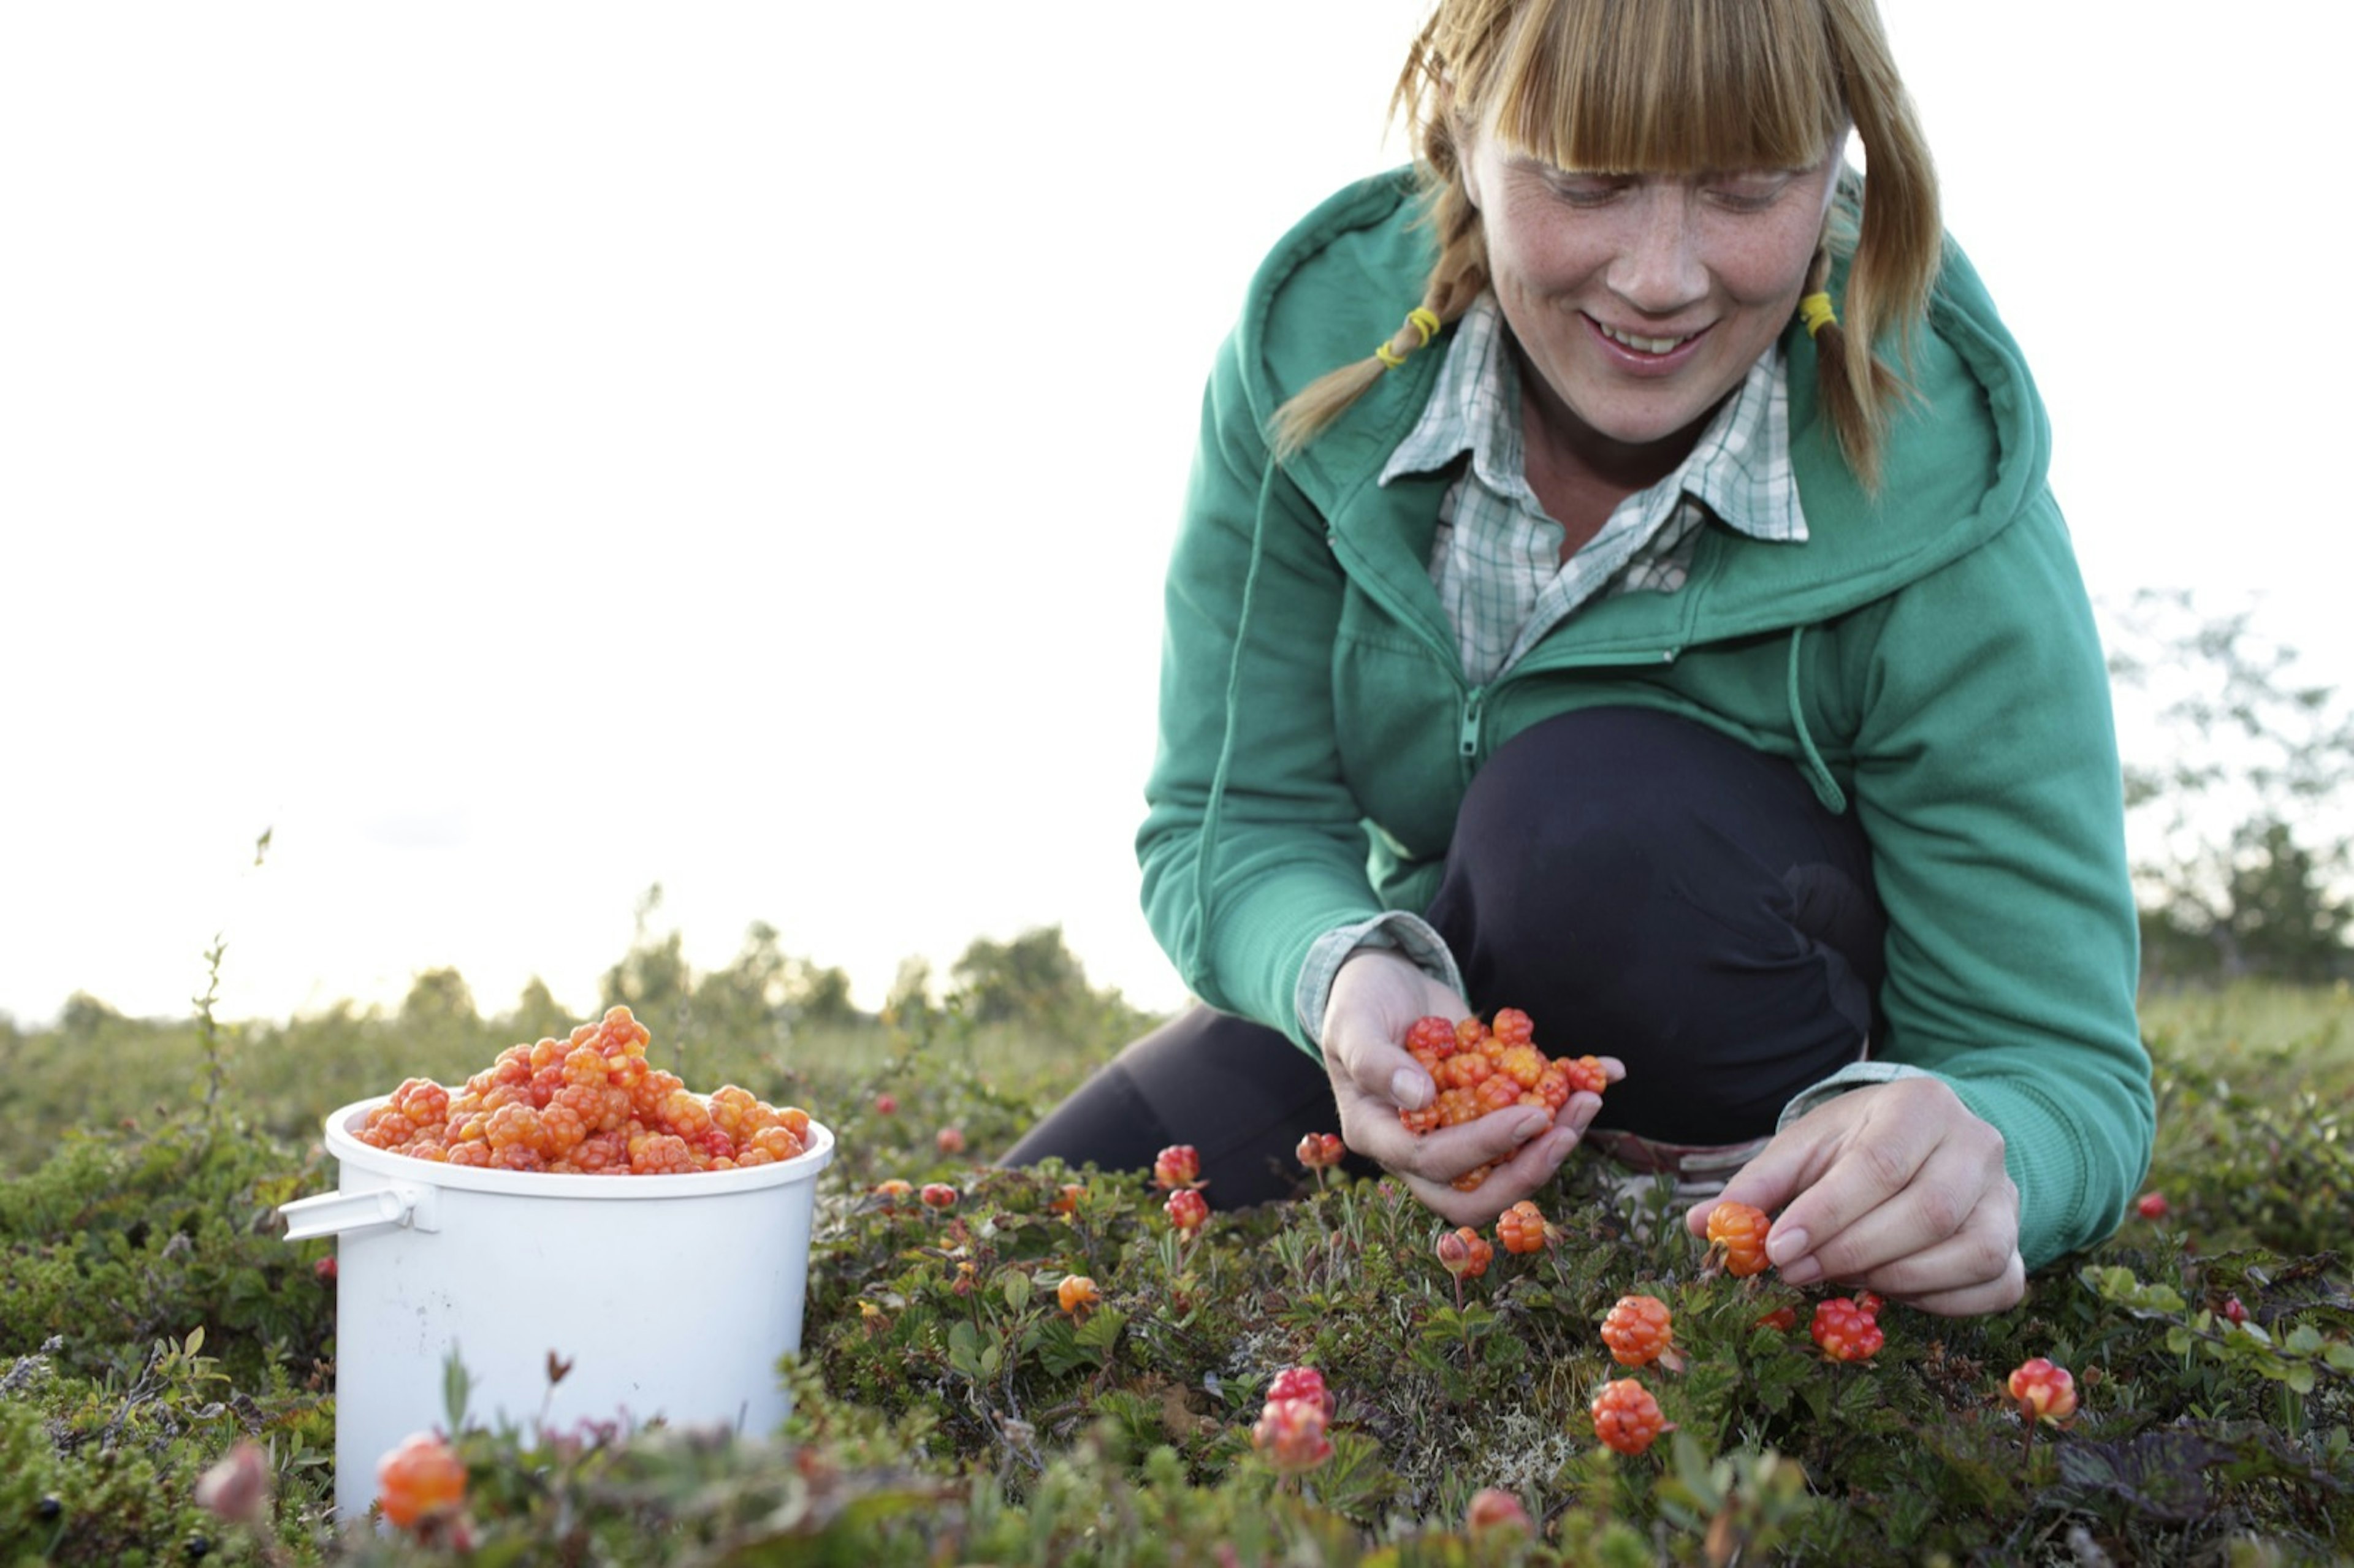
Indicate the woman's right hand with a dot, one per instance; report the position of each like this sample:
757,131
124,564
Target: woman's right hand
1376,998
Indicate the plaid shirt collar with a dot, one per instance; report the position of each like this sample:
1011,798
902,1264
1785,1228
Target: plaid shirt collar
1739,469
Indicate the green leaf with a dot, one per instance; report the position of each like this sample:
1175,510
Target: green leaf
1016,1285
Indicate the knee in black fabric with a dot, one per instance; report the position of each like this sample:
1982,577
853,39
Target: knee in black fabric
1633,881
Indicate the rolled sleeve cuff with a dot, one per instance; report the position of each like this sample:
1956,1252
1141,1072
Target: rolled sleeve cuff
1855,1075
1393,932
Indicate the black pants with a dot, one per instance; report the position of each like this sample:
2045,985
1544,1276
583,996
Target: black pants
1640,885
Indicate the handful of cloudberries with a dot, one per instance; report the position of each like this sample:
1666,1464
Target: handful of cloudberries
589,1105
1481,1068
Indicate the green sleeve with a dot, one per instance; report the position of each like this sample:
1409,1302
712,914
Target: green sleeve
1253,846
1988,781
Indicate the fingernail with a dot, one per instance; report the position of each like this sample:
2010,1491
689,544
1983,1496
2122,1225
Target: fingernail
1407,1088
1806,1271
1782,1246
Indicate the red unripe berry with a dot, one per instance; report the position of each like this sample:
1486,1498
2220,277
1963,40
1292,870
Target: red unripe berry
1782,1319
1077,1293
2043,1390
325,1269
1636,1330
938,1195
1463,1252
2151,1206
1301,1382
1319,1149
1739,1230
1492,1507
1433,1036
951,1139
1179,1165
418,1476
1626,1417
1846,1332
885,1105
2232,1311
1291,1435
1186,1208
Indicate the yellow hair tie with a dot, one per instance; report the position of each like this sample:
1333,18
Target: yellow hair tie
1815,309
1426,326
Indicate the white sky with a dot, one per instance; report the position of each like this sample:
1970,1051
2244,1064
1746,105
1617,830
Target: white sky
525,453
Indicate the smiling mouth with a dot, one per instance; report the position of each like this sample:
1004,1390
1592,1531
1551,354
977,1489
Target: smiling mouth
1640,343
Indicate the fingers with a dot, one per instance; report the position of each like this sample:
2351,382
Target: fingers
1897,1213
1999,1293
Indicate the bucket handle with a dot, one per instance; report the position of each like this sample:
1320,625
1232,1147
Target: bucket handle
334,1213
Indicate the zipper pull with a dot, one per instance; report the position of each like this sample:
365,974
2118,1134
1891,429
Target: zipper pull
1466,744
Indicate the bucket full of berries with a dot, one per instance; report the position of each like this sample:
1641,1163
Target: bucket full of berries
627,1251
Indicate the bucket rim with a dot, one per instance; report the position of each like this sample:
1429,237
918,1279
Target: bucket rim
344,1145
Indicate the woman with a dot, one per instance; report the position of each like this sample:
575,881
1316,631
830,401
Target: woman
1667,631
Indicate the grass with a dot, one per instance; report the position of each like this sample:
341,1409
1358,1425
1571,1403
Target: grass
947,1410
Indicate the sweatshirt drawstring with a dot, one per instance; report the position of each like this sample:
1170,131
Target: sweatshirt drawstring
1818,772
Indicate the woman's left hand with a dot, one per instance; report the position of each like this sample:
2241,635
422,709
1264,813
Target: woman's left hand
1894,1187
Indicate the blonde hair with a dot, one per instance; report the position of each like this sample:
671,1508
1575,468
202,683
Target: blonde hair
1675,87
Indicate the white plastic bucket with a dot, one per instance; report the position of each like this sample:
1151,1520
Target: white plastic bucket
670,1296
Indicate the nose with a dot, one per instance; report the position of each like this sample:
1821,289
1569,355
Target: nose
1658,269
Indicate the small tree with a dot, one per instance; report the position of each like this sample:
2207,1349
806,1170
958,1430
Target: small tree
2243,855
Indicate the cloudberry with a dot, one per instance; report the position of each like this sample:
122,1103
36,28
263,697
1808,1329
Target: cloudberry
938,1195
1626,1417
2043,1390
1291,1435
419,1476
1067,1199
1522,1229
1318,1149
2235,1311
885,1105
950,1139
891,1191
1492,1508
1512,1027
1179,1165
1435,1035
1846,1332
1782,1319
1301,1382
1186,1208
2151,1206
1077,1293
1636,1330
1736,1234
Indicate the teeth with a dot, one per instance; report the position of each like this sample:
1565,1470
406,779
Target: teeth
1646,344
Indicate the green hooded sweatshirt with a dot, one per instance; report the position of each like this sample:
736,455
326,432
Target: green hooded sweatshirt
1926,658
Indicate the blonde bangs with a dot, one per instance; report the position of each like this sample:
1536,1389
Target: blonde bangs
1671,87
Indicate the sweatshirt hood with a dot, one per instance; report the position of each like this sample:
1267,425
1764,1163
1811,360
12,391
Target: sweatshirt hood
1346,276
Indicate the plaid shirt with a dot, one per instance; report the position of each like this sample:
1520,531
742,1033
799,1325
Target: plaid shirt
1497,560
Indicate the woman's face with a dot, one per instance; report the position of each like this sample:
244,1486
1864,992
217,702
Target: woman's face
1641,300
